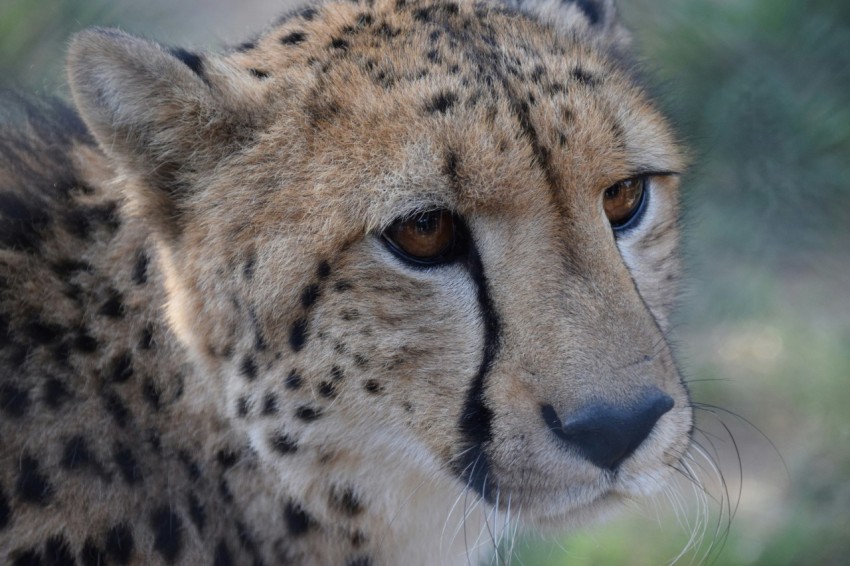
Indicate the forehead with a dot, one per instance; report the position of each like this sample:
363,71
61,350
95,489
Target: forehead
465,105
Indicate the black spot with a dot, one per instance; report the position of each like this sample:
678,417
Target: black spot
146,338
227,458
336,373
327,389
123,368
61,353
359,561
222,555
224,491
423,14
77,455
308,13
346,501
155,441
582,76
364,20
293,38
127,464
21,223
191,60
140,269
407,406
298,334
85,343
166,526
32,486
119,543
245,538
105,215
297,520
55,393
26,557
67,268
16,354
270,404
283,444
372,386
91,555
242,407
360,361
151,394
245,46
116,407
5,510
248,367
590,8
384,30
309,295
259,74
14,401
259,340
350,314
57,552
441,103
357,539
191,467
248,268
197,513
450,167
308,414
293,380
434,56
41,332
339,43
342,285
113,307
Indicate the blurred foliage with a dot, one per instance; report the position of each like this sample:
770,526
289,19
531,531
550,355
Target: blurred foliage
760,90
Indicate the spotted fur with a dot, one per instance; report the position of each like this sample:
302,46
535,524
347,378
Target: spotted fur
209,356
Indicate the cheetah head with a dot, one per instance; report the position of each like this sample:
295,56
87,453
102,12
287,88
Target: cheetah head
415,239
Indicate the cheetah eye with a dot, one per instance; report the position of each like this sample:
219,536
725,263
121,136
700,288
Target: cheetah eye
624,201
426,238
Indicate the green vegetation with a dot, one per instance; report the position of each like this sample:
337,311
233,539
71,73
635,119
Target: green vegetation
760,90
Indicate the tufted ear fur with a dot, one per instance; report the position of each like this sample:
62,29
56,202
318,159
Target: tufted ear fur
163,116
571,16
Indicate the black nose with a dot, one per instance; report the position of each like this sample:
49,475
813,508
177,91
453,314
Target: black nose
605,434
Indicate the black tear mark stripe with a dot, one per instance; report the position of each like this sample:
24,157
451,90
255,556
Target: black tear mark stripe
476,418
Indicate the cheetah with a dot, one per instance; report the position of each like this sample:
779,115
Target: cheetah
377,287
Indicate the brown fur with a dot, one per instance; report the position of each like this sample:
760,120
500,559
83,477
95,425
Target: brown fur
208,292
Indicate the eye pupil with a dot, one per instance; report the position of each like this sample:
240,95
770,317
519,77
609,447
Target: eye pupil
426,223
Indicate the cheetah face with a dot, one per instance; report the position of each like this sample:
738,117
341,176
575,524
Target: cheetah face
431,237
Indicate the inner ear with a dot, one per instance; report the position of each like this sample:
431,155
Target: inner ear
156,113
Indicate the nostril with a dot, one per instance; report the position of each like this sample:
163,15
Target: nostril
608,434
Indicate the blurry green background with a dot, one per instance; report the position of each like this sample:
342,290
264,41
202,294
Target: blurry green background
760,91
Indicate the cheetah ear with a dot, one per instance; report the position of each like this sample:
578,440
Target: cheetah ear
592,16
162,116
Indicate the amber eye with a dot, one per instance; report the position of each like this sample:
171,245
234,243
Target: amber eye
624,201
424,238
